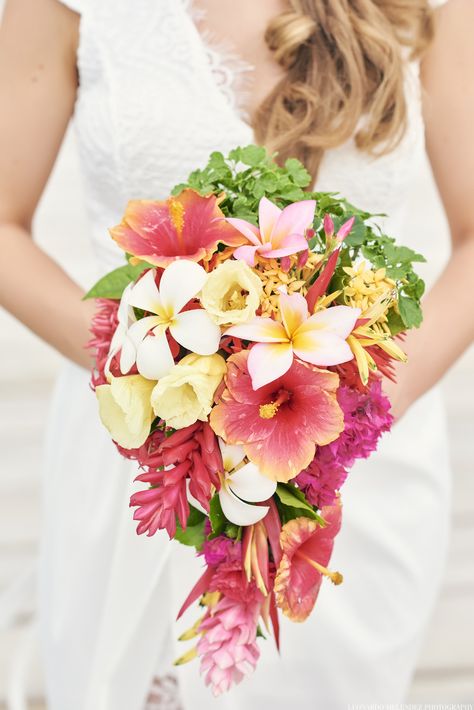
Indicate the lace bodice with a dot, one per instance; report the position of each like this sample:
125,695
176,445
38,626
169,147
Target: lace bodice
155,98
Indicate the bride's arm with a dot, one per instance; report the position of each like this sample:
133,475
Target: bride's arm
37,92
448,326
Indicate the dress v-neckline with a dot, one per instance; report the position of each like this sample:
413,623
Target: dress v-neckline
229,74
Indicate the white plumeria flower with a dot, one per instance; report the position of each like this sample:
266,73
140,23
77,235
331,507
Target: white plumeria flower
120,340
245,484
181,281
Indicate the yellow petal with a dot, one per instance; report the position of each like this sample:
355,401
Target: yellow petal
125,409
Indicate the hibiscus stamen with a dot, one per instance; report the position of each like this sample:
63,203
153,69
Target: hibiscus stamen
268,411
335,577
177,217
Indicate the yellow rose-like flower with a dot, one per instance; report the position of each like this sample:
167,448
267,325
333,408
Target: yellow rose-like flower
125,409
232,293
186,393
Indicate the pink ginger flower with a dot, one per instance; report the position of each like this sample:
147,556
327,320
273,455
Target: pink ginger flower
228,647
103,326
190,456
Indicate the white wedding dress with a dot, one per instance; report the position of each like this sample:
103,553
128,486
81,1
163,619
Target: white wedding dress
154,101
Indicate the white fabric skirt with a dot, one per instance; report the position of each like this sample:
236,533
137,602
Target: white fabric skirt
108,598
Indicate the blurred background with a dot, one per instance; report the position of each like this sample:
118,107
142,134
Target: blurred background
445,672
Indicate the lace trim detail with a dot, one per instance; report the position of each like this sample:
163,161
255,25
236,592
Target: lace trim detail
164,694
232,74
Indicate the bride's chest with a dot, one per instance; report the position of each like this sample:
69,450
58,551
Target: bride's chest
154,102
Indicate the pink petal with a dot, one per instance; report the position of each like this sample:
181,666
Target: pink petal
345,229
259,330
268,215
247,254
248,229
294,219
289,245
269,361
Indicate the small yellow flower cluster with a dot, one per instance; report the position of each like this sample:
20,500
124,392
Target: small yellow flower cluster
366,286
273,278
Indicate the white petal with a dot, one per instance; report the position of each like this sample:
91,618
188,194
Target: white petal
232,455
140,328
145,294
195,331
128,355
125,314
191,499
154,358
181,281
238,512
339,320
249,484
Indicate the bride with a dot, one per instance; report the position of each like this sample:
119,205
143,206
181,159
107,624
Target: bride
153,88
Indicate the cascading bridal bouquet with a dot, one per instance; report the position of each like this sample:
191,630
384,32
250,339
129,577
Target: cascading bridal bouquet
239,355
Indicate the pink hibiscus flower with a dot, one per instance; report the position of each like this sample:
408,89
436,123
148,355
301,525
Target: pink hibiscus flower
307,549
280,424
187,226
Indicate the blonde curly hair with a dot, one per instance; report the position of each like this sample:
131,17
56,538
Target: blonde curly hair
344,60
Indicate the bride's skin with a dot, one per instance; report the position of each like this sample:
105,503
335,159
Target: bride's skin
38,42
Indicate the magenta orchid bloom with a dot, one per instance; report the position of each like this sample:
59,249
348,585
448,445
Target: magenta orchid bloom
319,339
280,233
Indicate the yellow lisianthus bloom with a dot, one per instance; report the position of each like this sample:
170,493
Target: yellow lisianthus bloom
232,293
186,393
125,409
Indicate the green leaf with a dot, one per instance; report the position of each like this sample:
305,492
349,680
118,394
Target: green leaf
216,516
410,312
293,497
253,155
298,172
113,284
194,533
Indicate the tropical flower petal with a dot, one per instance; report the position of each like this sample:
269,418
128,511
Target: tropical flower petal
294,219
237,511
260,330
154,358
145,294
340,320
321,348
249,484
127,355
249,230
181,281
140,328
268,215
247,254
232,455
294,311
269,361
195,331
125,409
292,244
